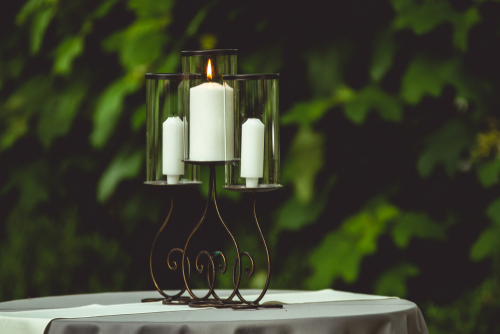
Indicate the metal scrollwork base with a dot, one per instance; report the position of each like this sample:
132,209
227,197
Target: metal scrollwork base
211,299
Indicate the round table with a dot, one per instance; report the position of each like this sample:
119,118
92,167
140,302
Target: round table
372,316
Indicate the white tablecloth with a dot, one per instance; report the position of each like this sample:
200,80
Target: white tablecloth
35,322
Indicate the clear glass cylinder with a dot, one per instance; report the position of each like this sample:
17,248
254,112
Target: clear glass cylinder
256,141
209,110
165,130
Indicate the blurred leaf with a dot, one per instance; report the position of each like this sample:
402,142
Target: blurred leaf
424,16
83,162
16,66
493,211
393,281
113,42
104,8
487,144
208,41
444,147
66,52
341,251
109,108
487,244
125,165
20,106
305,159
27,99
325,68
295,215
372,97
415,225
463,23
198,19
56,118
138,119
16,127
383,55
11,68
326,263
305,113
30,7
151,8
143,42
39,24
139,44
41,13
357,110
266,60
33,181
426,76
488,172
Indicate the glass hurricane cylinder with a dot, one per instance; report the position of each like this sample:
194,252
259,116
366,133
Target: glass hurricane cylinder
166,129
256,143
209,110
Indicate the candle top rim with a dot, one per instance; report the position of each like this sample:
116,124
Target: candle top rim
253,120
215,52
209,85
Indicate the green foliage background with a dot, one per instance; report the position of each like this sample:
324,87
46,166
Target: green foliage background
390,146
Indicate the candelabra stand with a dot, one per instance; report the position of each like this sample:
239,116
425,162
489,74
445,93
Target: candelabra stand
209,115
211,299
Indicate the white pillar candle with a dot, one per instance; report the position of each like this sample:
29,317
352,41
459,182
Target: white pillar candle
209,119
252,151
173,149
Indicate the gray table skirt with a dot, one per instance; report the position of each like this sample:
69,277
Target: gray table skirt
350,317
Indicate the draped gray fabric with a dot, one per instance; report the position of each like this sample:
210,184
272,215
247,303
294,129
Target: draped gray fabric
351,317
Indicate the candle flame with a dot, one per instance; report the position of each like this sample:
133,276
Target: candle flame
209,71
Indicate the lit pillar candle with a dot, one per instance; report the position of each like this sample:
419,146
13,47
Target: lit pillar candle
252,151
211,122
173,149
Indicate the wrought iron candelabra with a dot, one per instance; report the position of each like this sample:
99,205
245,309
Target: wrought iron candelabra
209,115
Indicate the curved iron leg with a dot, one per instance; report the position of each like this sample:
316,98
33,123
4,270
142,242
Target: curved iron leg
151,260
255,303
